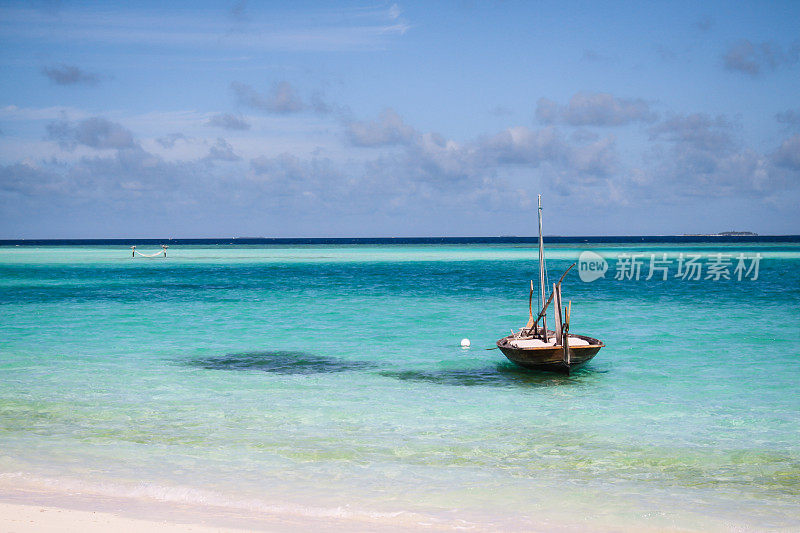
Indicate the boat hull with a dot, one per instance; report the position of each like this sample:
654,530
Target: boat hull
550,358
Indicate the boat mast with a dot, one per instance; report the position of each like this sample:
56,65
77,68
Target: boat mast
541,270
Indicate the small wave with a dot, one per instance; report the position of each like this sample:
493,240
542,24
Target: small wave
192,496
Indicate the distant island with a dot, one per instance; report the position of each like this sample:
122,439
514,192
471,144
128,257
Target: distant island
723,234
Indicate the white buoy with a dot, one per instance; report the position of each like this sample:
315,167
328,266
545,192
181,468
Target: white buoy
465,343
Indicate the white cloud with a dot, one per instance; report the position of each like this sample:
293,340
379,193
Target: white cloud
339,29
16,113
282,98
753,58
790,117
70,75
221,150
698,155
396,167
94,132
388,129
595,109
228,121
788,154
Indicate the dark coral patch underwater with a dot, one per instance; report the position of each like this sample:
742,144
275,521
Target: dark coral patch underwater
280,362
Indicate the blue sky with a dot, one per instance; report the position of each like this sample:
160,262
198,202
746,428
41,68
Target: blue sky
219,119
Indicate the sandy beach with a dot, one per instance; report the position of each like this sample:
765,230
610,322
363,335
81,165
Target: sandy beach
22,518
30,517
42,511
25,517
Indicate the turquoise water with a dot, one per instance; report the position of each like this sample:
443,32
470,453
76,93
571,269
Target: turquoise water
329,381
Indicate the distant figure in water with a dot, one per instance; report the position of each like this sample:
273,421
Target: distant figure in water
164,247
133,251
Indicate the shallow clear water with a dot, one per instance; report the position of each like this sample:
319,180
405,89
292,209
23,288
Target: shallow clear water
329,380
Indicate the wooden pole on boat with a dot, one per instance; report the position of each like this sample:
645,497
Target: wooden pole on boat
566,335
557,314
544,307
530,325
530,303
541,270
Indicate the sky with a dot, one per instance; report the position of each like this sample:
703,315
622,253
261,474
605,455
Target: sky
382,119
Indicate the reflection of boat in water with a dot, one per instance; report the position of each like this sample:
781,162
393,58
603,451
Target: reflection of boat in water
538,348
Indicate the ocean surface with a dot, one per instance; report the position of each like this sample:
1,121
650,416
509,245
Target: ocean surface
328,379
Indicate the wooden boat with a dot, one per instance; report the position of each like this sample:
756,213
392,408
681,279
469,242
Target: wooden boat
538,348
535,354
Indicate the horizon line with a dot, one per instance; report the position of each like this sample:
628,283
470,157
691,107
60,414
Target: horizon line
390,238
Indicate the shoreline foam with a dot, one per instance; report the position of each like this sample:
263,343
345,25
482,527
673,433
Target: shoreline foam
28,510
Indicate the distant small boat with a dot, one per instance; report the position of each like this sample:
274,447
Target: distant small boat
135,252
537,348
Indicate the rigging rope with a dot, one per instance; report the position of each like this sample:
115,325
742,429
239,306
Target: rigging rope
544,268
546,276
544,261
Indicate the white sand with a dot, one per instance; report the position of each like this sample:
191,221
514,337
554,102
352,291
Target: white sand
32,511
54,512
20,518
29,518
